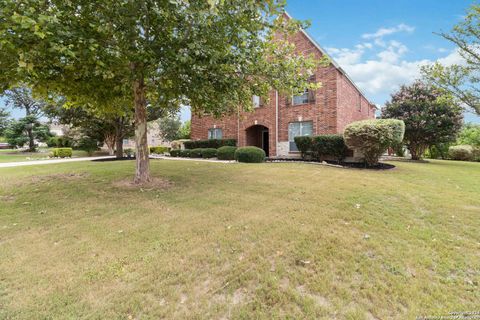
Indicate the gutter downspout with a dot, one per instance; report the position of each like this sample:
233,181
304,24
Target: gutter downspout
276,123
238,126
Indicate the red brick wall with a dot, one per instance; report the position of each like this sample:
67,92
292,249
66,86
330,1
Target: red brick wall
352,105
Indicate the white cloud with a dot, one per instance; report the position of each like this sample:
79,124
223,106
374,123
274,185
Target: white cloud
380,33
387,70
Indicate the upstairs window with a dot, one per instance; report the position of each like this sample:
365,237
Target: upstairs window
256,101
298,129
308,96
301,99
215,133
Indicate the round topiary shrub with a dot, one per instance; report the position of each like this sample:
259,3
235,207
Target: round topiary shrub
250,155
196,153
175,153
461,152
209,153
185,153
226,153
373,137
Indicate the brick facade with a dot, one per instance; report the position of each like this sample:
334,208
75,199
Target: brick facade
337,103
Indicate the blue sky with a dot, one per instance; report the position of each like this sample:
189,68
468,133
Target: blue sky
381,43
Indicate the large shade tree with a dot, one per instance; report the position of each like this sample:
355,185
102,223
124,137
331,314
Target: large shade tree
461,80
431,116
210,54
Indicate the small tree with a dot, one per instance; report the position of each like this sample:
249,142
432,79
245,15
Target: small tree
430,115
4,120
185,130
169,127
22,98
19,132
373,137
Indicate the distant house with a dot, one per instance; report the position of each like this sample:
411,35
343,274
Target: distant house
154,137
272,126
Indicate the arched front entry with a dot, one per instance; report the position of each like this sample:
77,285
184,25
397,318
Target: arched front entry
258,136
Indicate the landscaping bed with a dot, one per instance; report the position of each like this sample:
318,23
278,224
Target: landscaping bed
341,164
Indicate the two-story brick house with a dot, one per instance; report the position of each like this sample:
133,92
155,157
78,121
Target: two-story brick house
273,125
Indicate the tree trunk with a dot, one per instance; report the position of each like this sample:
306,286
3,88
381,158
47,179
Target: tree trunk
110,140
31,140
142,173
119,145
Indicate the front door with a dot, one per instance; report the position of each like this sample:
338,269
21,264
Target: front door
265,144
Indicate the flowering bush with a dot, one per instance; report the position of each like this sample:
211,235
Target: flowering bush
430,115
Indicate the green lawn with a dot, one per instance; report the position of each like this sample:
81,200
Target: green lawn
11,155
239,241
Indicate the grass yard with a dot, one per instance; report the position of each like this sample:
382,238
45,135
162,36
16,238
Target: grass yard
239,241
12,155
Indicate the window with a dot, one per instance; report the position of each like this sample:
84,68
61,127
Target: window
298,129
301,99
256,101
215,133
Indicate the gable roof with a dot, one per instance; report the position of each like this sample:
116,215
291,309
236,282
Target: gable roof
334,63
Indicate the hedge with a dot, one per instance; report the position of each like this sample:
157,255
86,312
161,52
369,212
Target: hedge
196,153
373,137
304,145
210,143
319,147
250,155
175,153
226,153
461,152
209,153
62,152
185,153
159,150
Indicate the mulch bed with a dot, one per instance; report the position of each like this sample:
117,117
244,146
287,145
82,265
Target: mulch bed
355,165
114,159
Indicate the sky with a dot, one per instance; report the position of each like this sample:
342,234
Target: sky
380,43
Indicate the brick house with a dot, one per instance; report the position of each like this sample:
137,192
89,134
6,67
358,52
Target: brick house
273,125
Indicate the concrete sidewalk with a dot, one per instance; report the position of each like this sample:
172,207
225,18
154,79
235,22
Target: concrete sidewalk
37,162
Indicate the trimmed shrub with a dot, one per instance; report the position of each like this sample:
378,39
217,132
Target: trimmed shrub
209,153
319,147
329,145
175,153
226,153
196,153
373,137
129,152
209,143
158,150
62,152
461,152
185,153
304,145
250,155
